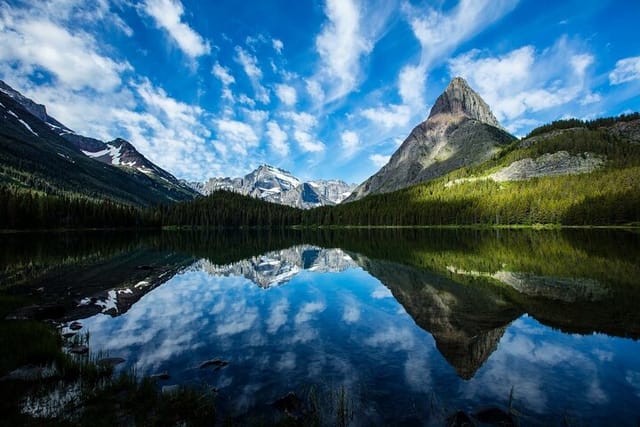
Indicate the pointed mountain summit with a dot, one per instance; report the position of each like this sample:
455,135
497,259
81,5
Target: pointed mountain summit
460,131
460,99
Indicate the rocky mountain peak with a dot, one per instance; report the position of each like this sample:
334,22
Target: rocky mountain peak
459,99
37,110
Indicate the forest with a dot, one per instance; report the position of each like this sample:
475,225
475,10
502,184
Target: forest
607,196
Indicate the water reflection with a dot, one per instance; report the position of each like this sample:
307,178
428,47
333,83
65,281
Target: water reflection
415,324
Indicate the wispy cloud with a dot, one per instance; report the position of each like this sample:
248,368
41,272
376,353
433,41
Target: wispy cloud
439,34
250,66
168,15
287,94
379,160
31,43
627,69
277,138
350,143
525,80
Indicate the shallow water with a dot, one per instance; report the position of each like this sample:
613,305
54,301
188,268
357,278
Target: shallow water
412,325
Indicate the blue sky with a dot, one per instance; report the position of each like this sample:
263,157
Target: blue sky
322,88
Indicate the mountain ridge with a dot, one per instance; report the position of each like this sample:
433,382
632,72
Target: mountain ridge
34,154
460,131
277,185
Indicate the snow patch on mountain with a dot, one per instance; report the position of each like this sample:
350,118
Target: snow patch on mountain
276,185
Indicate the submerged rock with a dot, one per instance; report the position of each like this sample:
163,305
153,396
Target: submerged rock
30,373
170,389
111,361
459,419
495,416
290,404
75,326
214,362
79,349
161,376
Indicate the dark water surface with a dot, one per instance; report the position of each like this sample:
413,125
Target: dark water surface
412,325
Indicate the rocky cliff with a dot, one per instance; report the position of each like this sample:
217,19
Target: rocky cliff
460,131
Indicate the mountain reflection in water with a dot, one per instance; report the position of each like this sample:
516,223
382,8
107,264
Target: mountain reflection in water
415,324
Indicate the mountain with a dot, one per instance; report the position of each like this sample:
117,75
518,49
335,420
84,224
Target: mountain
569,172
39,152
279,186
460,131
279,267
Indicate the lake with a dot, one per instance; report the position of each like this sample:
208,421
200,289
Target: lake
401,326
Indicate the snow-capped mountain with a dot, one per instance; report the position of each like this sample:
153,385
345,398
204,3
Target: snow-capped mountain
118,152
37,151
279,186
279,267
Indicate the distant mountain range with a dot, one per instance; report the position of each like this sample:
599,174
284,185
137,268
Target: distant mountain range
279,186
39,152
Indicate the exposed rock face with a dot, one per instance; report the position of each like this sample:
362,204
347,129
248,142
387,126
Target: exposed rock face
279,186
628,130
460,99
119,153
550,164
461,130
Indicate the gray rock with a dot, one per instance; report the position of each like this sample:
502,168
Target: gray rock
279,186
111,361
214,362
161,375
461,131
79,349
549,164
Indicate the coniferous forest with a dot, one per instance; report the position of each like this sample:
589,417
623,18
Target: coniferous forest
607,196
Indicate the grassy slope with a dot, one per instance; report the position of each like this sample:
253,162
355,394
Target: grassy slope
607,196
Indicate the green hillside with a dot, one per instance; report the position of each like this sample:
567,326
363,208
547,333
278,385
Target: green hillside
609,195
45,162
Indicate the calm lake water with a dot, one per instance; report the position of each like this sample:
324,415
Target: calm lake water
412,325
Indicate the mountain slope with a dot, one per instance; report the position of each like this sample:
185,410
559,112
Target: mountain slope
460,131
38,152
588,174
279,186
33,155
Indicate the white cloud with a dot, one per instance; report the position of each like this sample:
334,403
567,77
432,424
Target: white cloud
250,66
350,143
277,138
308,310
379,160
390,116
341,44
36,43
237,135
287,94
315,91
302,121
167,15
303,124
244,99
627,69
439,34
277,45
524,81
307,142
223,74
351,314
